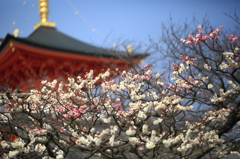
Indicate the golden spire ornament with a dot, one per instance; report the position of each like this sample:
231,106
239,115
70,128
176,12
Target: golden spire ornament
43,11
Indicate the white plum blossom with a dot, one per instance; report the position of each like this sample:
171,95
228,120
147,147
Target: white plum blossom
150,145
131,131
207,66
4,144
13,154
97,141
210,86
157,121
145,129
133,140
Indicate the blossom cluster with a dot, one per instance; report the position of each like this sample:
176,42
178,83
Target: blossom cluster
75,109
233,39
201,37
140,113
231,62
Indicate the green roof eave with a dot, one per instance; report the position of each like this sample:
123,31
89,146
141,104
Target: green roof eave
51,39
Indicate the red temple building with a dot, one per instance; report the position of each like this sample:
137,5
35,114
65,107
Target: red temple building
50,54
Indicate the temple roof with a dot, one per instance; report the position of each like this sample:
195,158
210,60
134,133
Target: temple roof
50,54
49,38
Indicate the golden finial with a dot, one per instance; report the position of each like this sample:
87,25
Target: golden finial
43,10
15,33
129,49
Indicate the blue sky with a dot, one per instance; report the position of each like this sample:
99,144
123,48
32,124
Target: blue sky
115,19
